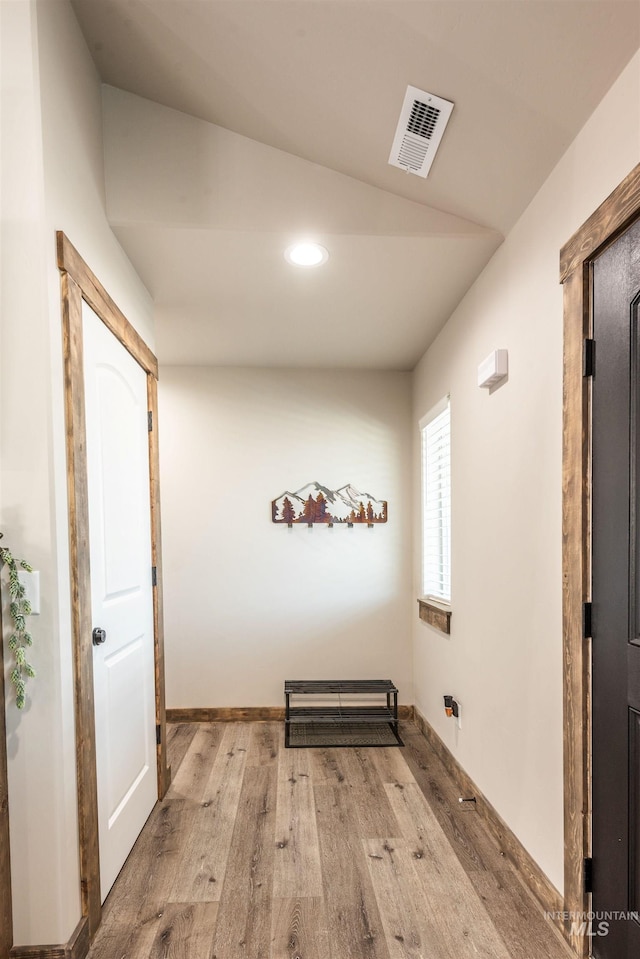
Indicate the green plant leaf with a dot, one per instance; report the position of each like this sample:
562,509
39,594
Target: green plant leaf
19,608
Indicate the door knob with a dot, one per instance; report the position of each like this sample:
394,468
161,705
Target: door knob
99,636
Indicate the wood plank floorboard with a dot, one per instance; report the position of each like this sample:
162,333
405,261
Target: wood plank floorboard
244,923
408,923
509,906
297,871
299,929
261,852
483,860
352,908
457,910
373,813
185,931
267,740
339,767
179,736
210,816
469,838
147,877
391,765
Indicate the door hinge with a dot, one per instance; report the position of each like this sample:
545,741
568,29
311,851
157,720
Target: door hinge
587,874
154,575
158,734
589,358
587,620
150,420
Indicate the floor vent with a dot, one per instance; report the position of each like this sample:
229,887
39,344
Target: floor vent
422,122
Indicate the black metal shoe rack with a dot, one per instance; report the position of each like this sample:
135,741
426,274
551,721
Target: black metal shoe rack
383,709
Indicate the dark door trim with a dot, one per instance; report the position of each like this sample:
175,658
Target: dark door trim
78,283
611,218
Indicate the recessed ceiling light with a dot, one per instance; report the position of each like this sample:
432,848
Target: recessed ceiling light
306,254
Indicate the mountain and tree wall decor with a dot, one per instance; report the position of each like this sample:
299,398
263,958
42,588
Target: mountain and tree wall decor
315,503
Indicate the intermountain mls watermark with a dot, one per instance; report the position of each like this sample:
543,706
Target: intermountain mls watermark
591,923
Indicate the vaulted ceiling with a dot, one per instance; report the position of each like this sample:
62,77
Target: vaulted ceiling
233,127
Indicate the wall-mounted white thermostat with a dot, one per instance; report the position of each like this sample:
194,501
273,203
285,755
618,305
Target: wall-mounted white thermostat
493,369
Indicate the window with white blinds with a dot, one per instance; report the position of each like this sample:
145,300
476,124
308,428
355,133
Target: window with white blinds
436,502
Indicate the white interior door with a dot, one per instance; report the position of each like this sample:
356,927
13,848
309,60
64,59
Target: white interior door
121,592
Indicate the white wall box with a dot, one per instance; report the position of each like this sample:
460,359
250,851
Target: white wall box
493,369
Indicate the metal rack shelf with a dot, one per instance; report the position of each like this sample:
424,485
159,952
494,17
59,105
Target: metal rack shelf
360,716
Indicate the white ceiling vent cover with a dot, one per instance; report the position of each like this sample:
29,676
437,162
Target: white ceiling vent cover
422,122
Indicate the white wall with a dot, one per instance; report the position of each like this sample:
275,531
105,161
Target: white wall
248,603
52,179
503,658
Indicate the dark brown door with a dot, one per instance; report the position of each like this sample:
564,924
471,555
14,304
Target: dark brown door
616,600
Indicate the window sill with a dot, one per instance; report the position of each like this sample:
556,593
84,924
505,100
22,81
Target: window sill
435,614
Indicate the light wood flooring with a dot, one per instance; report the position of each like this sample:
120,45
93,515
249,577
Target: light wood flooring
261,852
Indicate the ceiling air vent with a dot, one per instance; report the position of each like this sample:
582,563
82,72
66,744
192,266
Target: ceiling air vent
420,127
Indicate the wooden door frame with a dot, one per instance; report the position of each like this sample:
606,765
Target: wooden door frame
78,284
611,219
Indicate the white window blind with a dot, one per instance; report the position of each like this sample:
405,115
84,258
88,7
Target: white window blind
436,506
